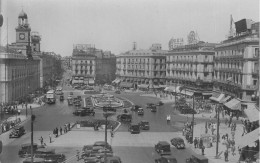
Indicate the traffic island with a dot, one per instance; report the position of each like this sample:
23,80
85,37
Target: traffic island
95,125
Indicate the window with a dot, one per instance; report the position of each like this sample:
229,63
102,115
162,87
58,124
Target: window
256,52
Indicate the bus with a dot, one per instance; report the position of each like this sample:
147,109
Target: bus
51,99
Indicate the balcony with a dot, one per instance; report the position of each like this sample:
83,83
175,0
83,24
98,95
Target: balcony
249,87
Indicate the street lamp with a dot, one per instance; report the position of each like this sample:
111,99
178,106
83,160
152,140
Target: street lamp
32,120
106,115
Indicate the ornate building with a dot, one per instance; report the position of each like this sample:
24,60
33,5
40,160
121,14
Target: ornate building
91,65
236,73
189,64
145,68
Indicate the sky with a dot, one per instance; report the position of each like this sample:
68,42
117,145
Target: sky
114,25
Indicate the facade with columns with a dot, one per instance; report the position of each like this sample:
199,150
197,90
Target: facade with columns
142,67
188,64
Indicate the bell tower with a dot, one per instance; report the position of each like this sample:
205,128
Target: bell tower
23,30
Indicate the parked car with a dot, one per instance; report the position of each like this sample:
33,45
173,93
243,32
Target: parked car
166,159
55,158
91,160
25,149
196,158
178,143
108,109
135,107
80,112
17,132
140,111
117,92
149,105
86,150
153,109
61,97
134,129
144,125
35,160
160,103
89,111
102,144
113,159
163,148
124,117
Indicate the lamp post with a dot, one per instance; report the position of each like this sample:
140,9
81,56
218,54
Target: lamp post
106,114
217,156
32,120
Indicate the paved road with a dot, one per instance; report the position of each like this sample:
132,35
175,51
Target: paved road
130,150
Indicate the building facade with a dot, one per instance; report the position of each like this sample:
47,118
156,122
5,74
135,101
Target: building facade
236,72
188,64
144,68
18,75
92,66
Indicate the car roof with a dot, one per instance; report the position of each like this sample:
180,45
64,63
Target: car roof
46,150
164,143
178,138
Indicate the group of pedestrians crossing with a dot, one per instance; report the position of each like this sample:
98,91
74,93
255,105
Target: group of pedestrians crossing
59,131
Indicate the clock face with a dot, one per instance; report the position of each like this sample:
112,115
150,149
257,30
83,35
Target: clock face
22,36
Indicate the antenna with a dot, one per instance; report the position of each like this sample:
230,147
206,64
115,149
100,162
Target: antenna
7,35
231,30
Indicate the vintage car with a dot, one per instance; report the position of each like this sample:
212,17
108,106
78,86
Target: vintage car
25,149
92,159
35,160
17,132
86,150
70,102
113,159
150,105
109,109
144,125
153,109
54,158
178,143
140,111
102,144
80,112
61,97
134,129
124,117
196,158
135,107
160,103
89,111
79,97
166,159
163,148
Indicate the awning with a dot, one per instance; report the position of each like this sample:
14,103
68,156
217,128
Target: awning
75,81
143,86
91,81
126,85
233,104
224,99
252,113
206,93
187,92
220,97
215,94
249,138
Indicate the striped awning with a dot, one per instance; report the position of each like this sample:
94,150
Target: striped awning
233,104
220,97
224,99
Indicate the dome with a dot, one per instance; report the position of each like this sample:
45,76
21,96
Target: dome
22,15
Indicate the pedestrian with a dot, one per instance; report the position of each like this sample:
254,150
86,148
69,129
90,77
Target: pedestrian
50,137
57,132
195,142
202,149
41,140
226,155
60,131
112,133
69,127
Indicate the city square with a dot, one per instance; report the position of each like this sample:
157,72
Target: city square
92,92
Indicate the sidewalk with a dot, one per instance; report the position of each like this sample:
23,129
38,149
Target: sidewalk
210,153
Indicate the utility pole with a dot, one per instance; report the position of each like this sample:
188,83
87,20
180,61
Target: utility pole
192,120
32,119
218,108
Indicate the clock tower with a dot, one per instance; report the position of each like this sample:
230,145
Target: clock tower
23,30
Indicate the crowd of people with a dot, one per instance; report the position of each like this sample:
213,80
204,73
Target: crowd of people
7,125
61,130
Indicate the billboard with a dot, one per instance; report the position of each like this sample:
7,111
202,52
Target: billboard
82,46
243,25
175,42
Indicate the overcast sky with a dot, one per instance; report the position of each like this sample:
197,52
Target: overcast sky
115,24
